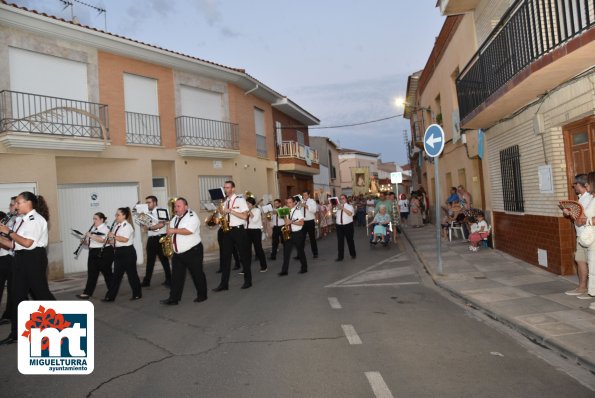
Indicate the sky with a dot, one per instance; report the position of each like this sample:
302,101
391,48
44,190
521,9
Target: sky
344,61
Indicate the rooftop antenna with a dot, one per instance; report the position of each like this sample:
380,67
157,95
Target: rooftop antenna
70,3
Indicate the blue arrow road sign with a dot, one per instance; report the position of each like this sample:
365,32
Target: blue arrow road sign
434,140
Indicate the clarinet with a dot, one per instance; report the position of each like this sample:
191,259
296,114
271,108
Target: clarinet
78,249
6,220
106,239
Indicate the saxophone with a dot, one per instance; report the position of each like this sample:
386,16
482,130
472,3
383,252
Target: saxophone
223,220
286,232
167,241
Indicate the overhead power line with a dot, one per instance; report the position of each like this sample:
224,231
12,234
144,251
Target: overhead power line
345,125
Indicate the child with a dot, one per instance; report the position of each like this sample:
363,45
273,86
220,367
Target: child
479,231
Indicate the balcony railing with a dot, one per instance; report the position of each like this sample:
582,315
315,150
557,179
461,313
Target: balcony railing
207,133
142,129
261,146
527,31
52,116
293,149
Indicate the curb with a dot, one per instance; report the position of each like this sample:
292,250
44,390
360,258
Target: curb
550,344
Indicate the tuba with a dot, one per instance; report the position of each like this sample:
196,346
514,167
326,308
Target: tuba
167,241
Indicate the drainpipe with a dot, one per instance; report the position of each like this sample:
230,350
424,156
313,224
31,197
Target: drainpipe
252,90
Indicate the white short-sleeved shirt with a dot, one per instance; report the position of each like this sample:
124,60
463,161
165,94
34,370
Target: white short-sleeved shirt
476,227
32,226
404,206
584,200
159,231
310,212
188,221
343,218
255,222
295,215
104,229
125,230
237,204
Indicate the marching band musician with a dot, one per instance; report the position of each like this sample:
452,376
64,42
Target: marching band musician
344,222
310,208
188,254
98,261
6,256
254,222
236,211
29,241
124,256
295,222
154,249
277,224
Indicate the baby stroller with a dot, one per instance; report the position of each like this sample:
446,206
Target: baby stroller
385,240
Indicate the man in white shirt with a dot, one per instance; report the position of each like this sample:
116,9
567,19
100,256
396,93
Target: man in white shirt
295,221
309,208
155,233
236,210
344,223
277,223
188,254
581,253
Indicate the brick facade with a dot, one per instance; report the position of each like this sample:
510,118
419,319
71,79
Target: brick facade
513,232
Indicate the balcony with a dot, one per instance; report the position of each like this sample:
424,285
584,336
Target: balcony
42,122
297,158
143,129
536,46
207,138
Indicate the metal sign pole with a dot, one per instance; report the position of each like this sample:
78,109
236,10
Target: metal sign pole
437,205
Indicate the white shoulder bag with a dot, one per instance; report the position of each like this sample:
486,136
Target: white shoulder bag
587,235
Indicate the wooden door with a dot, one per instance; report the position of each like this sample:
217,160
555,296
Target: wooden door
579,141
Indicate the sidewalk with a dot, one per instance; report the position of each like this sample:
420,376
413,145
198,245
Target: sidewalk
520,295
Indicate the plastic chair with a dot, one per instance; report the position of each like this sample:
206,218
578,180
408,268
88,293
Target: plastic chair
454,226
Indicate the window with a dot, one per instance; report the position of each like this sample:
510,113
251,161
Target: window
512,187
201,104
261,142
209,182
279,132
159,182
142,110
300,137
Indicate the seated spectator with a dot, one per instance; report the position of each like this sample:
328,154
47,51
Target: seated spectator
415,211
452,215
454,196
479,232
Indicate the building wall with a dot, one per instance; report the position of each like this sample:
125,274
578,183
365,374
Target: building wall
563,106
487,15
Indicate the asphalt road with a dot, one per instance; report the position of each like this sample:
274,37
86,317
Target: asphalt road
373,326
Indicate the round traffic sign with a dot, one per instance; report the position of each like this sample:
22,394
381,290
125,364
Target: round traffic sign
434,140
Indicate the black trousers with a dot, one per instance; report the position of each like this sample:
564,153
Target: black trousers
236,255
298,239
6,279
124,263
190,260
99,262
277,237
237,237
310,229
153,250
255,237
345,233
29,274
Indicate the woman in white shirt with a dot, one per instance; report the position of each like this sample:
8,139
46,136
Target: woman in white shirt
98,261
124,256
479,232
255,232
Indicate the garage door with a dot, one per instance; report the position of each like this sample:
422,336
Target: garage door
77,204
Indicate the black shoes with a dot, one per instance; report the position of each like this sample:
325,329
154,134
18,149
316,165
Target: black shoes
83,296
218,271
282,274
264,269
236,267
338,259
220,288
107,300
315,256
169,302
273,258
136,298
145,284
9,340
353,257
246,286
296,258
303,271
198,300
166,284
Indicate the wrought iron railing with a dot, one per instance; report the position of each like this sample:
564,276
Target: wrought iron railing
293,149
142,129
261,146
526,32
52,116
207,133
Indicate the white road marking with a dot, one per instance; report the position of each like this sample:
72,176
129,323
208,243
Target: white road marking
334,302
378,385
351,334
378,284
